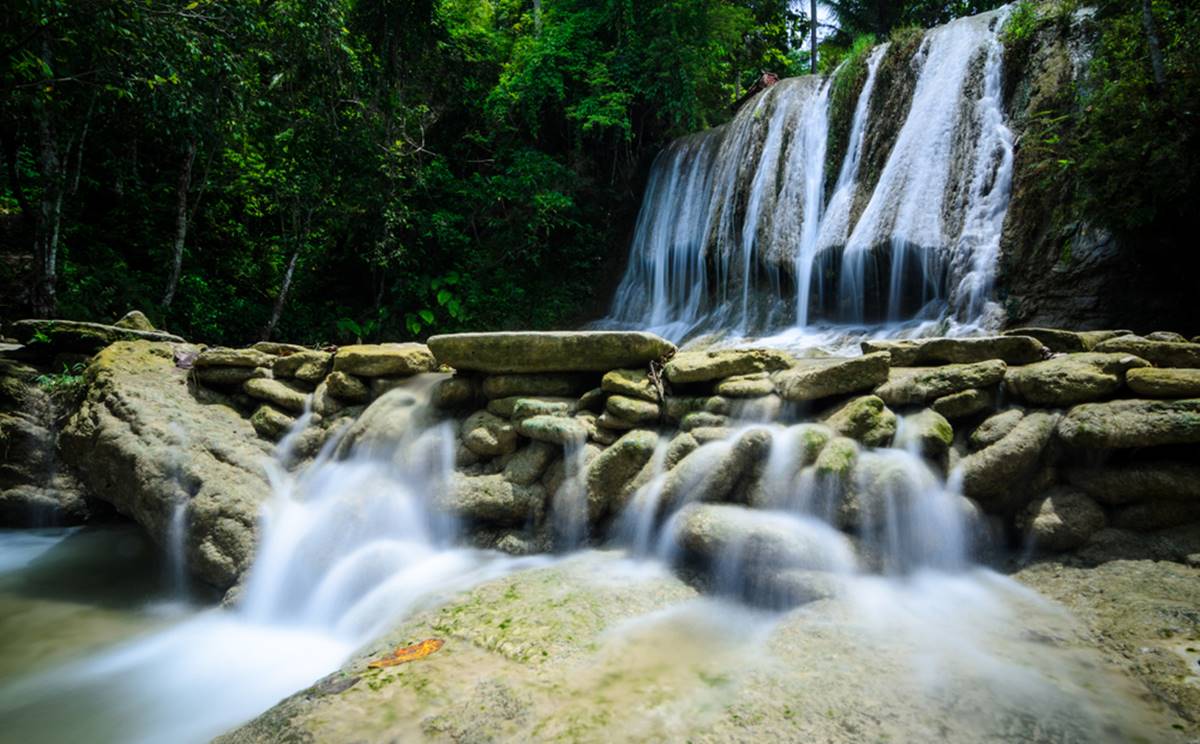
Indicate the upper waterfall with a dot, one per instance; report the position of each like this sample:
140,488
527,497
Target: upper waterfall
747,229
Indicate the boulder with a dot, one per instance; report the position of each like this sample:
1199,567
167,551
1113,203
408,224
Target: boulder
135,320
1140,481
528,464
753,385
524,408
705,366
1092,338
935,351
837,459
995,427
1132,423
378,386
593,400
1166,336
488,435
703,420
865,419
271,423
1164,383
1158,353
549,351
1071,378
491,500
454,393
1054,339
284,395
676,407
506,386
633,383
554,429
918,386
348,387
141,442
1063,519
228,376
928,432
610,474
65,336
966,403
607,421
812,379
632,410
384,360
309,366
233,358
992,475
712,472
387,421
56,501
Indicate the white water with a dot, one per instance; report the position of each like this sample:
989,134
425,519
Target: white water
736,239
347,549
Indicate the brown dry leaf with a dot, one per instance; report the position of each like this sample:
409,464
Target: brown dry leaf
405,654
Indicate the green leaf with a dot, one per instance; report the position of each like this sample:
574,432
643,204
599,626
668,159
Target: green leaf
426,315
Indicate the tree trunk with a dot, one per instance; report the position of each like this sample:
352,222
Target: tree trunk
11,155
1156,60
284,288
813,22
45,241
182,218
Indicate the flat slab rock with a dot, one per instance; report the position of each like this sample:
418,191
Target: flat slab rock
934,351
79,336
549,351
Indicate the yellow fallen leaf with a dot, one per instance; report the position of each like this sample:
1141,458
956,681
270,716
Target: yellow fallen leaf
405,654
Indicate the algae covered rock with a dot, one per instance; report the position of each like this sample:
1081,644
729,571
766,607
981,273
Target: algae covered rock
454,392
348,387
993,474
995,427
384,360
529,463
1158,353
632,410
535,385
270,422
554,429
549,351
493,500
228,376
233,358
633,383
77,336
1163,480
1164,383
135,320
928,431
308,365
488,435
934,351
705,366
753,385
812,379
141,442
922,385
609,475
966,403
1071,378
1132,423
1063,519
283,394
1054,339
865,419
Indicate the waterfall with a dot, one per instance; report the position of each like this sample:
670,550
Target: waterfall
736,236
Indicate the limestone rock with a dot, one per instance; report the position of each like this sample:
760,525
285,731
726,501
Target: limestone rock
228,376
995,428
677,407
609,475
1071,378
135,320
753,385
607,421
837,459
928,430
488,435
233,358
935,351
865,419
549,351
533,385
633,383
966,403
271,423
702,419
712,472
140,441
704,366
283,394
812,379
1054,339
529,463
1158,353
1132,423
992,475
58,336
454,392
1092,338
379,386
1139,481
1063,519
1164,383
553,429
383,424
632,410
922,385
348,387
309,366
384,360
524,408
1166,336
492,500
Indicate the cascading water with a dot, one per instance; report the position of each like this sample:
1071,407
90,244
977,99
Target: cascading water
347,547
736,235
